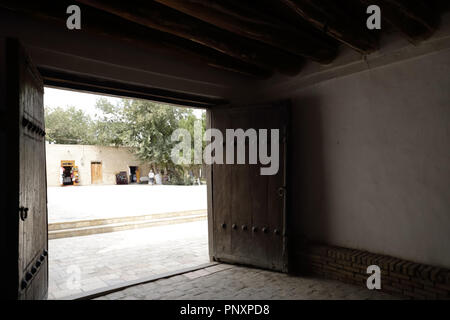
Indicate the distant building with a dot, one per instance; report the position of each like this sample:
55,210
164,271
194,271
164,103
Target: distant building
84,165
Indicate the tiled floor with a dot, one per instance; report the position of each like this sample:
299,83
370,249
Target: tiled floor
226,282
82,264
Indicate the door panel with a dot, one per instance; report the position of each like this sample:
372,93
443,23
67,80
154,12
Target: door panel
221,195
96,173
33,186
25,216
249,208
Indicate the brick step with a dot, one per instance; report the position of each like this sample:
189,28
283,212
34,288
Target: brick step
114,227
55,226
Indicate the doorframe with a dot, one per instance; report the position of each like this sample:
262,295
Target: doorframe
206,105
68,81
92,84
209,191
95,85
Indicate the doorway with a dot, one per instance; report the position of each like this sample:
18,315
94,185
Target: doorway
67,173
121,232
135,175
96,172
67,176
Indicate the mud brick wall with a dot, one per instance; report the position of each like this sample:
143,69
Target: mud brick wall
398,277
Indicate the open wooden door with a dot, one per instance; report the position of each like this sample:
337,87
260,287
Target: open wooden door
24,209
249,209
138,175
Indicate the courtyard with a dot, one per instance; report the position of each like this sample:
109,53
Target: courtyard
113,201
89,264
82,264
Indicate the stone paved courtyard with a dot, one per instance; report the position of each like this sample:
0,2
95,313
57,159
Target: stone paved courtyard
80,265
108,259
103,201
227,282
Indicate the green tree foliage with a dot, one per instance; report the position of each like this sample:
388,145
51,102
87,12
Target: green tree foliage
187,121
110,126
68,126
149,129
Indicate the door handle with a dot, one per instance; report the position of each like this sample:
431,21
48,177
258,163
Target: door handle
23,213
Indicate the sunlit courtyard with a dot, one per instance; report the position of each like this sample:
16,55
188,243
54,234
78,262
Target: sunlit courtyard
104,236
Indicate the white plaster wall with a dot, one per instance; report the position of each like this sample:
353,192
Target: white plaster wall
113,159
371,160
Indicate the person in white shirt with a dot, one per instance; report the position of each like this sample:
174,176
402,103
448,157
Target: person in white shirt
151,177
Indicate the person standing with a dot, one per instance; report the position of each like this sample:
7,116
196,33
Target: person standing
158,179
151,177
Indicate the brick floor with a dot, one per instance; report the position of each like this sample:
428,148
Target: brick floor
227,282
81,264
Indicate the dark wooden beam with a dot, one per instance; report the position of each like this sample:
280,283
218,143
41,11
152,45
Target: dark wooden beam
100,23
440,5
334,18
156,16
416,19
233,16
84,83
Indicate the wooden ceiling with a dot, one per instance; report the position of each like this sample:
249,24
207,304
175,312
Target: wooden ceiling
252,37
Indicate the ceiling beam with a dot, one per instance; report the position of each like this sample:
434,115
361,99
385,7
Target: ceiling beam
156,16
231,16
416,19
99,23
331,17
84,83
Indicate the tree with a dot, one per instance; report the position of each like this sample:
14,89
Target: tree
188,121
68,126
110,127
147,127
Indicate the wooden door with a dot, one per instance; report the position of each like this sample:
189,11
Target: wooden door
96,173
249,209
25,215
138,174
